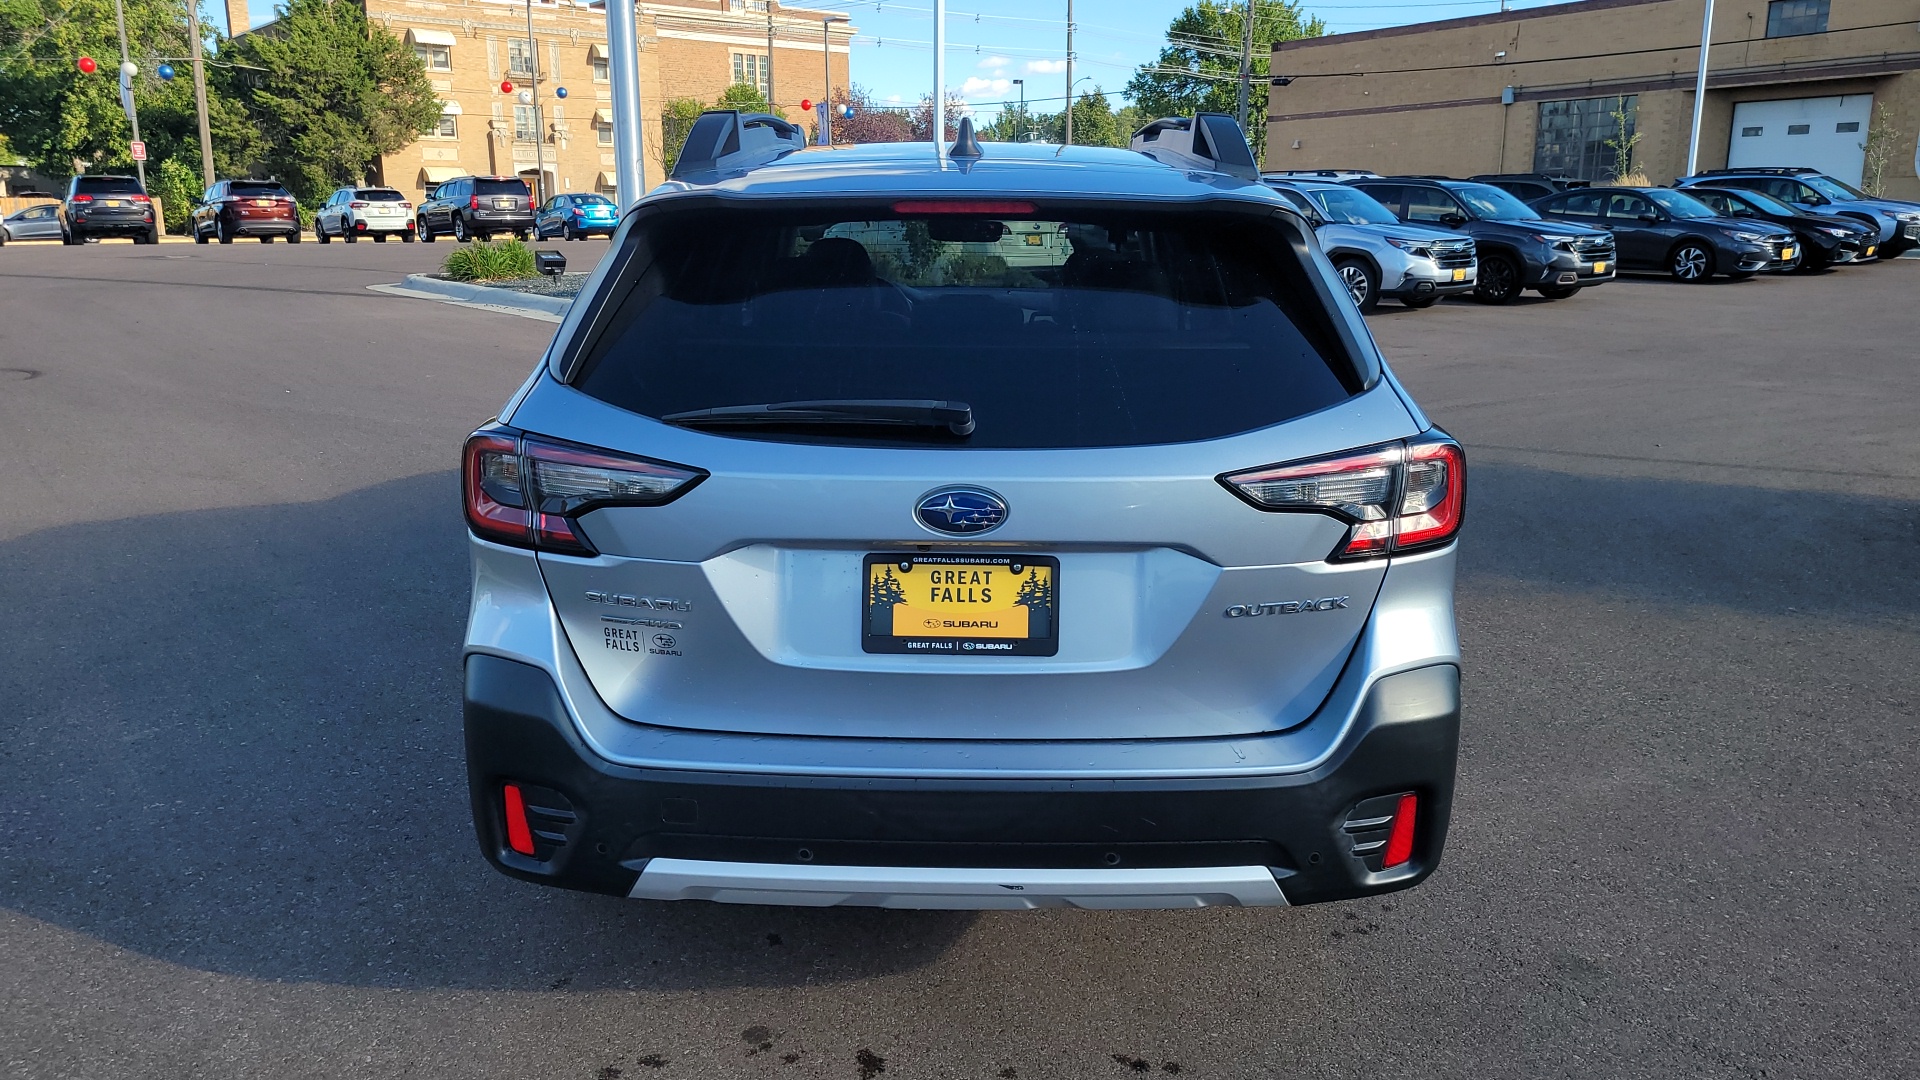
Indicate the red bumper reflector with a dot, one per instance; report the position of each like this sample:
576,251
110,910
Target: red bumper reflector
519,834
1399,841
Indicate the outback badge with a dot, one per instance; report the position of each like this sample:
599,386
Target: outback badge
1287,607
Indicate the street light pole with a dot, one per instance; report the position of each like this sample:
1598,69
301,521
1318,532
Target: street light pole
539,126
1246,65
1069,115
1022,84
769,71
126,87
826,59
939,119
200,94
623,69
1699,90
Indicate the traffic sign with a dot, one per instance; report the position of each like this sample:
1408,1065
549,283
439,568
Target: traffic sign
139,150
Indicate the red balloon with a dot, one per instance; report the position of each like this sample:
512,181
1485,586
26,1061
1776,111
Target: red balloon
806,104
506,88
87,66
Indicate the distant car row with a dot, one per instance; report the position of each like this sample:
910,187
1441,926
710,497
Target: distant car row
1391,238
96,207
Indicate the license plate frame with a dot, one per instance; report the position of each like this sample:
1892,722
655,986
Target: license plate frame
1600,267
1460,274
888,576
1787,253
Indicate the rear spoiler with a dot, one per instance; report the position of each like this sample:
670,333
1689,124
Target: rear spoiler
726,141
1210,142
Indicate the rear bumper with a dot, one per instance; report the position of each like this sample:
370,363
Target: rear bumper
117,225
499,221
760,837
265,227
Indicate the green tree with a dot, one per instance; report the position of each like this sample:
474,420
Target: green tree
330,93
747,98
1199,69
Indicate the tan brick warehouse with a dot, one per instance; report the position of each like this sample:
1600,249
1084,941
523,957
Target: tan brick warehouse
696,49
1546,87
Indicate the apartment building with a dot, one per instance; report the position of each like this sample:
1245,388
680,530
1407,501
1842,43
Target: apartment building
691,48
1570,88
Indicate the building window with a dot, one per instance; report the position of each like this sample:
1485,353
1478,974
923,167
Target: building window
1752,132
519,57
526,125
448,128
750,69
746,5
1791,18
599,68
1799,129
603,133
436,57
1851,125
1585,137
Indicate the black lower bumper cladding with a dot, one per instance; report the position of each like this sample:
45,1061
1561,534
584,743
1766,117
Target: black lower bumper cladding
595,824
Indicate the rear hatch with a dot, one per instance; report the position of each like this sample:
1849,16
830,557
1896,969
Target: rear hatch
259,200
382,206
110,198
1000,514
506,196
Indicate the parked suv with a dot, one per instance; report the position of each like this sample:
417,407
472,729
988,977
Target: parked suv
1665,230
1824,239
235,208
1896,224
102,206
848,546
1374,253
470,206
1517,250
353,212
1529,186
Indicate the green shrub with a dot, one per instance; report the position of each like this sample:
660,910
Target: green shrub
489,261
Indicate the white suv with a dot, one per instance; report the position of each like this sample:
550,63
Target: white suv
364,211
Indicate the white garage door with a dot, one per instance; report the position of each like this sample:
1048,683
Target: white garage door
1825,133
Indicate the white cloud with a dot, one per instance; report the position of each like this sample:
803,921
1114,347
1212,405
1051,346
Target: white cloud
977,87
894,99
993,62
1046,67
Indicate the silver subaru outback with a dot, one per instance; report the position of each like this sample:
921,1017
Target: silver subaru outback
988,527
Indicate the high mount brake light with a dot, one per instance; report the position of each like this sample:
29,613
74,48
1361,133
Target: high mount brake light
961,206
1397,498
529,492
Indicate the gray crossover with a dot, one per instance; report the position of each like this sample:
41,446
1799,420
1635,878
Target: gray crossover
1377,255
1011,527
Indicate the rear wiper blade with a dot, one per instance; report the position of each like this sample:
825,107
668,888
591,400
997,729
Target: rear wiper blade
955,416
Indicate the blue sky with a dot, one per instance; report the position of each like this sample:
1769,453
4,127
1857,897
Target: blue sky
992,42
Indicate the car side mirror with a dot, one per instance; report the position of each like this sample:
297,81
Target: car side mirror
1651,217
1453,221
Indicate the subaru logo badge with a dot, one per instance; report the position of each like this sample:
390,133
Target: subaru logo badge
962,511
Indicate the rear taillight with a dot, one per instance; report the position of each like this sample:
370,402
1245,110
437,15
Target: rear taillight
406,206
140,198
529,492
473,202
582,213
1397,498
357,205
83,198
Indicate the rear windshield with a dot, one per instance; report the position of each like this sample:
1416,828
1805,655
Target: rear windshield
379,195
255,189
593,200
1059,328
107,185
500,187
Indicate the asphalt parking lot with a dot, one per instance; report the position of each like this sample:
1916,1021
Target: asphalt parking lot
232,802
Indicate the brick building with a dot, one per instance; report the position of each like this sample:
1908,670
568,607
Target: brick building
1790,82
688,48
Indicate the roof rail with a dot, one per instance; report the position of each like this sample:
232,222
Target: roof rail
1769,170
729,141
1216,144
1319,174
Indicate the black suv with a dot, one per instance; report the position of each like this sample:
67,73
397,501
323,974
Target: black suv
1529,186
97,206
1518,250
470,206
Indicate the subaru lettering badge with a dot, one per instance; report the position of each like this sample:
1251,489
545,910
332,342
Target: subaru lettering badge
962,511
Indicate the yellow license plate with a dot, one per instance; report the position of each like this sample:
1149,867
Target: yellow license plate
1870,247
112,202
1599,268
1459,275
961,605
1786,253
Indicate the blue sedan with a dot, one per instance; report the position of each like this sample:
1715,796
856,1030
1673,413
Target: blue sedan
575,216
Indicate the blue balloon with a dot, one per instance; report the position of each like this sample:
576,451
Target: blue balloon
560,91
165,71
846,112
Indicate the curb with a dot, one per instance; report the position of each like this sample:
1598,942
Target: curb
482,294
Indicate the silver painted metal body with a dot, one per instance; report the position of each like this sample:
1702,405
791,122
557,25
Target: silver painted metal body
1401,272
755,575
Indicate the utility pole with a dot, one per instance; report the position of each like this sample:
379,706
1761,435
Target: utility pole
1699,90
539,125
1069,115
1246,65
1021,132
826,58
769,66
939,124
623,69
127,72
200,94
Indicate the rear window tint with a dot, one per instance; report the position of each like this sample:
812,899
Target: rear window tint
379,195
500,187
1060,329
256,189
107,185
